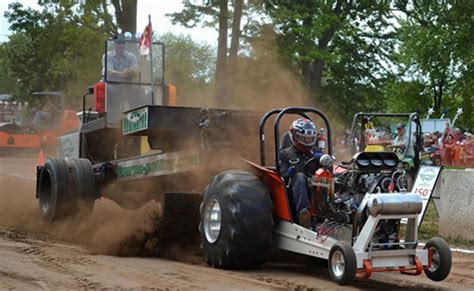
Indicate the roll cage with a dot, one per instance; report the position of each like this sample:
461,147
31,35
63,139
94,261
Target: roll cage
413,120
302,111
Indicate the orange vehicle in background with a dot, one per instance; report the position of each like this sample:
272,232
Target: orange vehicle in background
30,135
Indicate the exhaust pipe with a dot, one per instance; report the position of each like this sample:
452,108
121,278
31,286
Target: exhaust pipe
395,203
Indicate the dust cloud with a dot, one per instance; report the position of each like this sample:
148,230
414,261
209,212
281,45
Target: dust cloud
109,230
113,230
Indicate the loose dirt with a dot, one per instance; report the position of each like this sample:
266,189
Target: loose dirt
96,253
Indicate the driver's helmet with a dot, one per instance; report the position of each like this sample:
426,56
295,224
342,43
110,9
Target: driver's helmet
303,134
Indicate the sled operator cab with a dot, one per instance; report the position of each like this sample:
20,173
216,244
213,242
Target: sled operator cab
129,81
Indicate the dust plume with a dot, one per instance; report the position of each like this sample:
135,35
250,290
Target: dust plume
109,230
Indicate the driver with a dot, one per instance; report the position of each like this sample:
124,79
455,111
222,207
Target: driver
401,141
119,68
303,137
121,64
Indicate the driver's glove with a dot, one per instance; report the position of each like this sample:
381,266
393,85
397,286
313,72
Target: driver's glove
317,155
291,171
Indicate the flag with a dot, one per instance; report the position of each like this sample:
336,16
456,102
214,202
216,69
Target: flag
145,41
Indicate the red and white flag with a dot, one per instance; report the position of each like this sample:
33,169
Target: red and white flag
145,41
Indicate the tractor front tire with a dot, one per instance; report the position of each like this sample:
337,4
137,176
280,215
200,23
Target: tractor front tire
236,221
441,259
53,186
342,263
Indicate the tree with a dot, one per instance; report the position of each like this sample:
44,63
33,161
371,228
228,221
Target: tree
406,96
126,14
221,65
339,49
222,13
49,51
437,50
190,67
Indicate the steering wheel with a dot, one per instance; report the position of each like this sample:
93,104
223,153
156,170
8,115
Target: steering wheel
311,166
396,149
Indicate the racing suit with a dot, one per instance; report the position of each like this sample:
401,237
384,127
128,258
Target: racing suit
292,164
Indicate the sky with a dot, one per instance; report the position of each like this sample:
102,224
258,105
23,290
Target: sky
156,8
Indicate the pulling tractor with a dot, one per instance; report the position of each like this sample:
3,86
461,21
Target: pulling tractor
245,212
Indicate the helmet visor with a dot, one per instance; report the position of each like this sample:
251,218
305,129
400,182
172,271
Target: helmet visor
305,139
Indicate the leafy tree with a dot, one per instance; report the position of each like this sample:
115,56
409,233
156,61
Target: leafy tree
339,49
437,50
222,14
190,67
406,96
126,14
48,51
7,82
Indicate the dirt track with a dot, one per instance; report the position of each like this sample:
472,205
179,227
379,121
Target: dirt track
34,255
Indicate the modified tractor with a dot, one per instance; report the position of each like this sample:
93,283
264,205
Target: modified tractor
181,156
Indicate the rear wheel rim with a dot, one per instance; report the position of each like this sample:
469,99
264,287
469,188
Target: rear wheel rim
212,221
338,264
435,260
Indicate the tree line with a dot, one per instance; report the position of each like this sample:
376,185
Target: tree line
342,55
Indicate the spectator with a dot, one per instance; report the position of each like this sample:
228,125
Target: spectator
449,150
457,135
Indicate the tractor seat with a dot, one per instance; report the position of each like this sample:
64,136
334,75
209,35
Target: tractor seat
285,141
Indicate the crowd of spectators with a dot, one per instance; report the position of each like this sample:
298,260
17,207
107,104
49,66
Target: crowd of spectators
456,147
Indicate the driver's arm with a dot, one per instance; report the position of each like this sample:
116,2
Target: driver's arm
395,144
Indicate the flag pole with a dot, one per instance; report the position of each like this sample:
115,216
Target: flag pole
152,80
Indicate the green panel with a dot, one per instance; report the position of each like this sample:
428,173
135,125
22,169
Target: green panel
135,121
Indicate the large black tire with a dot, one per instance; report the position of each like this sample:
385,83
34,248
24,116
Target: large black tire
53,186
441,260
246,222
342,263
84,187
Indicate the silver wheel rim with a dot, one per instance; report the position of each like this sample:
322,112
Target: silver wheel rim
212,220
435,260
338,264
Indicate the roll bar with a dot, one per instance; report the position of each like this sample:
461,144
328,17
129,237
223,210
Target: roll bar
302,111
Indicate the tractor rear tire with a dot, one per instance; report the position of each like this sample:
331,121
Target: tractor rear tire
441,261
342,263
53,186
236,221
84,189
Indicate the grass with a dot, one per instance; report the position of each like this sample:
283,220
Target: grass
429,228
